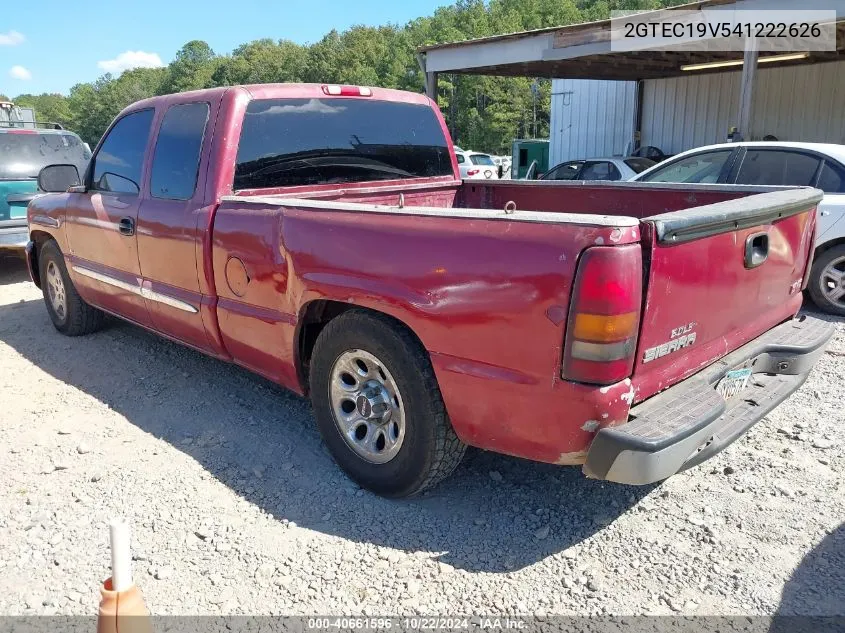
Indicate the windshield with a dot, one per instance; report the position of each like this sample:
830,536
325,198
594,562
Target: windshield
481,159
23,154
639,164
292,142
703,167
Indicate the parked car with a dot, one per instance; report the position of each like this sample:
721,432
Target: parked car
780,163
322,237
651,152
23,152
614,168
475,165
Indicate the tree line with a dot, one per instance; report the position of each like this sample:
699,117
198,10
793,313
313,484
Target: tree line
483,113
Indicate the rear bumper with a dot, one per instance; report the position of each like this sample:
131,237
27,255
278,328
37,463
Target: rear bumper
14,236
690,422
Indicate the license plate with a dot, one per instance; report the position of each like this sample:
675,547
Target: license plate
734,382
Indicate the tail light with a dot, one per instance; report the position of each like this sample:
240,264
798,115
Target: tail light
347,91
604,315
472,172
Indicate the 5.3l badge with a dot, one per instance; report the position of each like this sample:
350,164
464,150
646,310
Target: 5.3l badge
681,337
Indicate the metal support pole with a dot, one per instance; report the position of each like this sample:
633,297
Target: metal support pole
431,86
746,90
430,78
639,90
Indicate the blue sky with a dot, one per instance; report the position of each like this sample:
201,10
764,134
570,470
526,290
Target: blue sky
39,53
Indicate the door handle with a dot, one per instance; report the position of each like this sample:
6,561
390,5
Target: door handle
756,249
126,226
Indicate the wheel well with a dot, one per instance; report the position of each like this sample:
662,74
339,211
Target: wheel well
314,317
40,238
839,241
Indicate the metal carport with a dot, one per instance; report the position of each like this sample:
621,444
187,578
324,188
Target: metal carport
583,51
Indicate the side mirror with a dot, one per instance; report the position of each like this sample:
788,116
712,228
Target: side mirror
58,178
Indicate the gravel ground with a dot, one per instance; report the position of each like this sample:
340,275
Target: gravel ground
237,508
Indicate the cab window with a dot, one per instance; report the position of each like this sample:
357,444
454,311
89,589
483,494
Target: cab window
120,159
177,152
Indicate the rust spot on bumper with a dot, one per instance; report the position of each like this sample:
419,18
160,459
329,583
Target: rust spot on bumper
571,459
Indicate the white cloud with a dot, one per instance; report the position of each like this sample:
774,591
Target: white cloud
11,38
19,72
131,59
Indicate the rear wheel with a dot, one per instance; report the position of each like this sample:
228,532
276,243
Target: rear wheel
70,314
827,281
378,406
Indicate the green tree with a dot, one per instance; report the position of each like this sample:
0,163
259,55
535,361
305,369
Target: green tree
262,61
485,113
192,68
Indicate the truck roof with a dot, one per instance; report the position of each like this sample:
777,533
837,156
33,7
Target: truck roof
283,91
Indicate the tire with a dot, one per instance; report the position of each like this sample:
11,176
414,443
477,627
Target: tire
429,449
71,316
833,257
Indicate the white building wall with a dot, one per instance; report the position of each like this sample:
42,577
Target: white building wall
590,118
680,113
795,103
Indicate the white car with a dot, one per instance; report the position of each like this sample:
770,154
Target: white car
613,168
475,165
820,165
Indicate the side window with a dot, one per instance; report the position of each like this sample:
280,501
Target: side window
831,179
120,159
461,159
177,152
698,168
567,171
776,167
600,171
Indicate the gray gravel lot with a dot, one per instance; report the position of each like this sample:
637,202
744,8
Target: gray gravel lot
237,508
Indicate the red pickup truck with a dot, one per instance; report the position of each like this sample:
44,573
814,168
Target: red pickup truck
320,236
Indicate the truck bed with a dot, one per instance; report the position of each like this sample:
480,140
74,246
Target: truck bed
433,270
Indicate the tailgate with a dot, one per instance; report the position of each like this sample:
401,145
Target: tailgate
14,197
719,276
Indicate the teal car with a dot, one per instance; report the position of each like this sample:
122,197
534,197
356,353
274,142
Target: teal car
23,152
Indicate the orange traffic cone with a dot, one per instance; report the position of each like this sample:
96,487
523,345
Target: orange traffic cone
122,608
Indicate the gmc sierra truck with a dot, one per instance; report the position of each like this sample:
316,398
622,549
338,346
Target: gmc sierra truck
320,235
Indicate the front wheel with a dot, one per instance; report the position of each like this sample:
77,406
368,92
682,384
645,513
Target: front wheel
69,313
378,406
827,281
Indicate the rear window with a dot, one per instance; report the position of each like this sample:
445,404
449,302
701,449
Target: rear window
22,155
831,179
293,142
481,159
639,164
